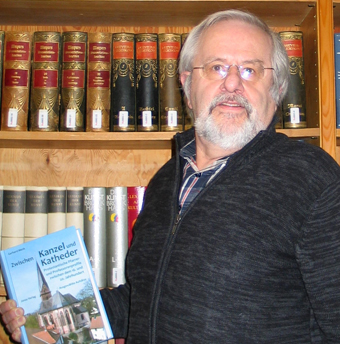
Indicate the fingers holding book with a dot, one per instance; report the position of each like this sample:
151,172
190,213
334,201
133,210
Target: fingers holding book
13,318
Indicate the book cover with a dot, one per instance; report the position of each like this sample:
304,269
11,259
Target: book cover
74,207
13,216
45,81
337,76
73,81
1,208
16,81
95,231
123,104
147,106
187,118
135,196
294,103
98,97
170,98
2,40
51,279
36,212
117,234
56,207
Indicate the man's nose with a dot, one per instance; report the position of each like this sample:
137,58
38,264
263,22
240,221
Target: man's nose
233,81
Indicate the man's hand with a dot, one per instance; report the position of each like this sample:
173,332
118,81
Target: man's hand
13,318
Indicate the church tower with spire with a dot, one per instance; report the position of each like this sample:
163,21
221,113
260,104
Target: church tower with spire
45,292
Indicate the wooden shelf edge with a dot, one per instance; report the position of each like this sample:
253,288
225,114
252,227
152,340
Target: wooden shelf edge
306,132
108,140
87,140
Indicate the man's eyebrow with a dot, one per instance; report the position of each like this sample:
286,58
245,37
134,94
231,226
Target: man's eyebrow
253,61
224,61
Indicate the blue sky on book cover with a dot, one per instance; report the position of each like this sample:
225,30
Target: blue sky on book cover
52,275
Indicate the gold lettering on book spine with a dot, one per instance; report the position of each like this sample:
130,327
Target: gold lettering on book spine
46,98
99,98
16,97
123,66
74,97
146,67
295,98
169,87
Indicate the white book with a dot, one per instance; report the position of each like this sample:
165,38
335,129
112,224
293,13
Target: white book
13,216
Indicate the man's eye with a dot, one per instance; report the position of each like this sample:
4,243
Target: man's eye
217,68
249,70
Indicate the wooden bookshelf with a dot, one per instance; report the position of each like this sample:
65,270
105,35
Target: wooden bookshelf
106,159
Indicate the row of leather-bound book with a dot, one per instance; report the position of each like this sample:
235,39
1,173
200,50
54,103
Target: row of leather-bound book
79,81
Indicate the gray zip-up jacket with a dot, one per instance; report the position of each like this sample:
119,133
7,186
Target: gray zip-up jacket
254,259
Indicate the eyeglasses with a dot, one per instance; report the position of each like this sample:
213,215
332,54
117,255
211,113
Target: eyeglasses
217,71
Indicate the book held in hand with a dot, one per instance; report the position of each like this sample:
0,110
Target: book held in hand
52,280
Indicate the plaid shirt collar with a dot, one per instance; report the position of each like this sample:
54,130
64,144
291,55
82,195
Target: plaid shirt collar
188,153
195,180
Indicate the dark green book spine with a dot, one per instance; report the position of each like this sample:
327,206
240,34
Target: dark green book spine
294,103
147,82
123,91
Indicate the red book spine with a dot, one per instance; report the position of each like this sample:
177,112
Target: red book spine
135,201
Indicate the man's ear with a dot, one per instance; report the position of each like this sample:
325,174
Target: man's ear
183,77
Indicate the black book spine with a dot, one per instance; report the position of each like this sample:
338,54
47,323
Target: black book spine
147,82
123,91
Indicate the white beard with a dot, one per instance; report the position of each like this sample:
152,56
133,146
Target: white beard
207,128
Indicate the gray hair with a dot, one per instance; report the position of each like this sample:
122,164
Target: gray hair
280,61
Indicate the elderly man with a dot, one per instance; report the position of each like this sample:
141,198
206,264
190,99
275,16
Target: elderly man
238,241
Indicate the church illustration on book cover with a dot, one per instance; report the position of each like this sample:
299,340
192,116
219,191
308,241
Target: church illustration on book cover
63,319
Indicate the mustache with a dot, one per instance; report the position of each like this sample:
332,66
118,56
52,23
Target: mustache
234,98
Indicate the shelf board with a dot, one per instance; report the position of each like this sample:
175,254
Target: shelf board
338,134
296,133
107,140
126,13
86,140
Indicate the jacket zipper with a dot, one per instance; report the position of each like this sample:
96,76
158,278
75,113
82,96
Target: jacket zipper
178,219
162,270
